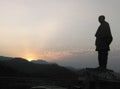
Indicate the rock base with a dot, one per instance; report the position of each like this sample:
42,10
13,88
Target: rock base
95,78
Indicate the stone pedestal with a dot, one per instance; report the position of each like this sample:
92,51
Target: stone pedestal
93,78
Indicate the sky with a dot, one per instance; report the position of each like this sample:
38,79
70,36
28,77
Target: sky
60,31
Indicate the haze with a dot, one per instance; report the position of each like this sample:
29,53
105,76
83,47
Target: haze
59,31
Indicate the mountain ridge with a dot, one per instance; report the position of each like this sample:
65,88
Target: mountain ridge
20,66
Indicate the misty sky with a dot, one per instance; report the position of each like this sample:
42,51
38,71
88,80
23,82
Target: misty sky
60,31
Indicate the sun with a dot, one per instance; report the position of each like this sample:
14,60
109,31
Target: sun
30,59
30,56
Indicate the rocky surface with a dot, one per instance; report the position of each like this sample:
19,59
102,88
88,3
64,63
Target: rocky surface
101,74
95,78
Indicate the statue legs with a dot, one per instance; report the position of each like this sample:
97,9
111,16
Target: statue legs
102,59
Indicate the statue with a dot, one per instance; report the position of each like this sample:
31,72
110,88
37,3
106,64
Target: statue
103,41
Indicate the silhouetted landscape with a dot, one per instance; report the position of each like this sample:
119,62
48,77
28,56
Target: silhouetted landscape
18,73
59,44
19,69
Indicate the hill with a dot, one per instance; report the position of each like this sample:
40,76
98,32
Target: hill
22,68
39,61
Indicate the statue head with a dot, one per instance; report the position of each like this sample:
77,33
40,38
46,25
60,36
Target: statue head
101,18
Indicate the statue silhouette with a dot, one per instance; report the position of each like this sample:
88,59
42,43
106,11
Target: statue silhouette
103,40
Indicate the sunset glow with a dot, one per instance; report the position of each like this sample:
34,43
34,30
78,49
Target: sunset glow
30,57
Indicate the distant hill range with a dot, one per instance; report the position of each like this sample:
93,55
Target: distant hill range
20,67
5,58
39,61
